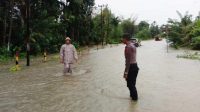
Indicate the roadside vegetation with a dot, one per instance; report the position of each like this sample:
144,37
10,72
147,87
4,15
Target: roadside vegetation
51,21
184,32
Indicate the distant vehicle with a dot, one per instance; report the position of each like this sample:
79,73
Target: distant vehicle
136,42
157,38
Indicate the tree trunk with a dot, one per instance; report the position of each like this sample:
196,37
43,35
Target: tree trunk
11,25
4,28
108,28
72,33
22,21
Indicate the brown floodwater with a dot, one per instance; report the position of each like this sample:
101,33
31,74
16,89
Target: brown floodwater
165,84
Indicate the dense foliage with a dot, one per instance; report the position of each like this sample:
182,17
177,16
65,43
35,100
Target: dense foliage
184,33
142,31
52,20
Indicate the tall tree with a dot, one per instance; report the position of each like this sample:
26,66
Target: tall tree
129,26
154,29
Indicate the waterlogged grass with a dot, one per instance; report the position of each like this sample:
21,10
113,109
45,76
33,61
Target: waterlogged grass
190,55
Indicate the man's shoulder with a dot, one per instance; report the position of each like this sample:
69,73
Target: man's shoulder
64,45
71,45
130,46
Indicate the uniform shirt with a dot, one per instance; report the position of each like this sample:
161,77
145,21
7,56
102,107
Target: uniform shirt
68,53
130,56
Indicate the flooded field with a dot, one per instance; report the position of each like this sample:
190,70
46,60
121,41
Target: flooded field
165,84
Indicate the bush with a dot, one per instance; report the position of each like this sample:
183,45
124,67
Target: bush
196,43
144,34
4,54
113,42
76,45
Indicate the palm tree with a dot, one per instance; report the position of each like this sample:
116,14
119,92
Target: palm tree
186,26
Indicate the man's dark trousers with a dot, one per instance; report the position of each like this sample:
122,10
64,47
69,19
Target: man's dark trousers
131,80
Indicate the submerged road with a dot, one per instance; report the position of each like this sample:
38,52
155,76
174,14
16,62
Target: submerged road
165,84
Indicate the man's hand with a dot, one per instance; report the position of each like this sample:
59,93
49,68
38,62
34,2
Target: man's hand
125,76
61,61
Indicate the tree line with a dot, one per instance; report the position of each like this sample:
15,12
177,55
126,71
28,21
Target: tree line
183,32
52,20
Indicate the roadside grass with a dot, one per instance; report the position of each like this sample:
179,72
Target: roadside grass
190,55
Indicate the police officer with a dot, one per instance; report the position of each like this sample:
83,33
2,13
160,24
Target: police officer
131,69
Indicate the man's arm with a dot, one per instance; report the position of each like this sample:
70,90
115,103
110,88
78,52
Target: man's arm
127,65
75,53
62,54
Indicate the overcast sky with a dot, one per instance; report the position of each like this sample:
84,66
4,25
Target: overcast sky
150,10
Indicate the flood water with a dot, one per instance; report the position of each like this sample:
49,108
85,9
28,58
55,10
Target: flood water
165,84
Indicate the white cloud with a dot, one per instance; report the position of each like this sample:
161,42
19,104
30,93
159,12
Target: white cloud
150,10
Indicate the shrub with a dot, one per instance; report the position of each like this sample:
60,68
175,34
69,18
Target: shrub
143,34
4,54
196,43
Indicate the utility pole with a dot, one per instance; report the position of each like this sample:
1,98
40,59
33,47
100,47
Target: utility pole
167,33
28,32
92,8
102,38
102,35
108,25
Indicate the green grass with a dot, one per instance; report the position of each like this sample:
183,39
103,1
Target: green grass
188,55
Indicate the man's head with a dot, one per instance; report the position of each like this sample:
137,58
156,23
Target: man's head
126,38
67,40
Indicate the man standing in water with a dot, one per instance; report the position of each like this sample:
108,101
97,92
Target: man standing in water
68,55
131,69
